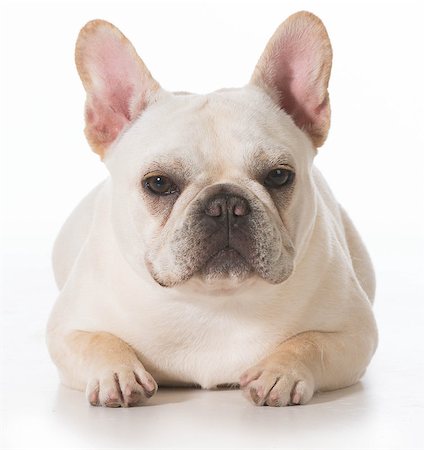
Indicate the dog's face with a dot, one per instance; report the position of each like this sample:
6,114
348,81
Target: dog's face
211,186
214,188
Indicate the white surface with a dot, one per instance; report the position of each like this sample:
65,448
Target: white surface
373,160
384,411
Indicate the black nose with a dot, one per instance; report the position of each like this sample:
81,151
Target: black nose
225,205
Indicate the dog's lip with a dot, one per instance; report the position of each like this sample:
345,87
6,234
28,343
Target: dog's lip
228,252
226,261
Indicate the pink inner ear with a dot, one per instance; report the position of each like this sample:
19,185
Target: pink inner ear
116,81
115,70
296,68
103,122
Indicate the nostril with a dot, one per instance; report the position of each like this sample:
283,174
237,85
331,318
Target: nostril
241,208
227,205
214,209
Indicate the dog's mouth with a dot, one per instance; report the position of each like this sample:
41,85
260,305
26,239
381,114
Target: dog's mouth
227,263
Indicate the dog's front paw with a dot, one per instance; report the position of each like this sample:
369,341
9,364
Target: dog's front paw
122,386
277,384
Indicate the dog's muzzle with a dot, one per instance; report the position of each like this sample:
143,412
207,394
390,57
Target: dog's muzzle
226,219
227,233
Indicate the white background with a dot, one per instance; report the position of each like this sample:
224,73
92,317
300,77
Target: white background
373,160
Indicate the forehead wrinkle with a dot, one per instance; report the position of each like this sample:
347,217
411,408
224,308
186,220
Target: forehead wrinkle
168,164
197,146
211,154
225,129
260,160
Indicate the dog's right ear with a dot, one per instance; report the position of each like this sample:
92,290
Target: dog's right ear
118,84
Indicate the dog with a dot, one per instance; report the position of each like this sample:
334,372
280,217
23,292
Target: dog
215,253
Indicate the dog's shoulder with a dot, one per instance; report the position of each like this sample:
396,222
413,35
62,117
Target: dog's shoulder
74,233
341,227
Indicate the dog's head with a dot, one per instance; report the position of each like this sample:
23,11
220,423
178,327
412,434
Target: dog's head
215,188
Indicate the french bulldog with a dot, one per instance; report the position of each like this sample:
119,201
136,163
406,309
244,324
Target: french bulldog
214,253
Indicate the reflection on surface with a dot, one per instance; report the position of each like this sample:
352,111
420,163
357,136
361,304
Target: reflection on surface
185,416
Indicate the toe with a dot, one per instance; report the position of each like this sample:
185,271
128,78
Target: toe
92,392
147,382
302,393
257,390
279,395
250,375
289,391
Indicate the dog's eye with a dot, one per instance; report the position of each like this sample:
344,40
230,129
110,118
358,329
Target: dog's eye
160,185
278,177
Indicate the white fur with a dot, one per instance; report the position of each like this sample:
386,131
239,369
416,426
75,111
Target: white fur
209,334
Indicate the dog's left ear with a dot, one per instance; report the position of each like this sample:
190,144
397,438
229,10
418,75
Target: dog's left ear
295,69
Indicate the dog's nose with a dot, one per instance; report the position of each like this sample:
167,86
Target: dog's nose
225,205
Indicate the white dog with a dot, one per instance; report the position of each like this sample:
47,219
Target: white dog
215,252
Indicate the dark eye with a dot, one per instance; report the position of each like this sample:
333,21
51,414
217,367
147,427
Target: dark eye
160,185
279,178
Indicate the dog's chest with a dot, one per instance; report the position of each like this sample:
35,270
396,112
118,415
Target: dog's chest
206,348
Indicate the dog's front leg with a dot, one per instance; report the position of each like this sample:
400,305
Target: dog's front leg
104,365
306,363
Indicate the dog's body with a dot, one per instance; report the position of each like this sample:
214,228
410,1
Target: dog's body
221,275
